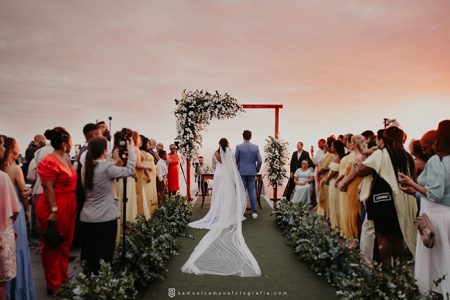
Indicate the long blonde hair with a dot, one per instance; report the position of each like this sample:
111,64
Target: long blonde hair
360,142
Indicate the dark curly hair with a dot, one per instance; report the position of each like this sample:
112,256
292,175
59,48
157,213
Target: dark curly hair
442,140
57,136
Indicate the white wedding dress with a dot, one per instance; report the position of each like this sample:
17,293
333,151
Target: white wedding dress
220,193
223,250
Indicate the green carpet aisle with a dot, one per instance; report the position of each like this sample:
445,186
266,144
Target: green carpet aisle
283,275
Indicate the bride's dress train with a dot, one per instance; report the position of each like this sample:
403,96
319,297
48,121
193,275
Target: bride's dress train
223,250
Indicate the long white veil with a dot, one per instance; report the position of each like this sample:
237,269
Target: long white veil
220,194
223,250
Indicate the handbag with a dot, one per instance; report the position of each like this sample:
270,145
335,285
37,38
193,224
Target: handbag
425,229
380,201
52,235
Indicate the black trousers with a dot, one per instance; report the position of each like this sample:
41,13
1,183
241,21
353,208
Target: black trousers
98,242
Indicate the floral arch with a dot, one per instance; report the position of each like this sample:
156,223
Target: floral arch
194,112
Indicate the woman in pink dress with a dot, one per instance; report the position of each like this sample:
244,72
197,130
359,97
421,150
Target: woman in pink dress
9,210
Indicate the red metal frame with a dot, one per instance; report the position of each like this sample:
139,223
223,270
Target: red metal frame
277,108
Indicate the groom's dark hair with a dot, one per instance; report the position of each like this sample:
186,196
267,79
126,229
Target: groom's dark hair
247,135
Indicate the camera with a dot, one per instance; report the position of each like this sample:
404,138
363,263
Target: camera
125,135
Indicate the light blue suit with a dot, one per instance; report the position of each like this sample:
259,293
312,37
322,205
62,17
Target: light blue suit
248,160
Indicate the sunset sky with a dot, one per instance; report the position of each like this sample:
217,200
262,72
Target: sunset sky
336,66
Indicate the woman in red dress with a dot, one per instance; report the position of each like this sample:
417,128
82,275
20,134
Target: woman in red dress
57,203
174,170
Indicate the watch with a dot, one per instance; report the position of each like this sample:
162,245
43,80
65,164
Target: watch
54,209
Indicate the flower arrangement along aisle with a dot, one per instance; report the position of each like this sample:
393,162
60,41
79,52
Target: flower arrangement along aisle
150,245
194,112
276,158
331,256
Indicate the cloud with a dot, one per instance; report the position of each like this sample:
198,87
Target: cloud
69,62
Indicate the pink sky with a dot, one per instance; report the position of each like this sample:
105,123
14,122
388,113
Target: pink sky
336,66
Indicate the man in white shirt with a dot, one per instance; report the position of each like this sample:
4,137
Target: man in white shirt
90,131
162,171
321,144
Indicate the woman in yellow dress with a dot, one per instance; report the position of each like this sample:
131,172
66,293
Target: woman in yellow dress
131,213
346,163
338,148
150,192
324,168
350,183
141,178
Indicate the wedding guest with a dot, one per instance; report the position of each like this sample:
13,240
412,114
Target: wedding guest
58,204
9,210
90,131
104,130
296,160
337,147
150,191
141,171
162,172
21,287
320,153
35,144
367,238
420,158
346,140
119,158
116,143
434,187
34,177
152,150
159,147
99,214
303,178
392,210
323,169
344,165
427,142
174,170
370,137
350,183
316,158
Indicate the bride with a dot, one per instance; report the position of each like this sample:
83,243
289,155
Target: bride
223,250
220,193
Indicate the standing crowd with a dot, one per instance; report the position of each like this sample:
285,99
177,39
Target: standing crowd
367,186
372,190
75,202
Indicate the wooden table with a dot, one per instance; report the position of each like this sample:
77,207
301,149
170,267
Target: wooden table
258,186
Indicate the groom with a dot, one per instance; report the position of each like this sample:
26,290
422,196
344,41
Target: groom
249,162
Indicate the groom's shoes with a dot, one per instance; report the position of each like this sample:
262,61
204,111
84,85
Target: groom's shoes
255,215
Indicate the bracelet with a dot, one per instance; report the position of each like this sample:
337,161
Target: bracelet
54,209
